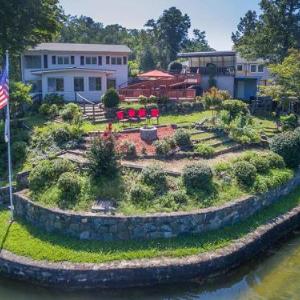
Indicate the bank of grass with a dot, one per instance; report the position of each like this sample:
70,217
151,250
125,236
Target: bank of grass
28,241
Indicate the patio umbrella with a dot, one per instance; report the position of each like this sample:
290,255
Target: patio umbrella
155,74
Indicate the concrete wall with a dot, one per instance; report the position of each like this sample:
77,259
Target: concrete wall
108,228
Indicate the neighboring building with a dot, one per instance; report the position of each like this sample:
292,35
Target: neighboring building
75,70
232,73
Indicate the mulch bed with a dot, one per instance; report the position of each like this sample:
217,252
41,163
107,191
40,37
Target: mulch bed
135,138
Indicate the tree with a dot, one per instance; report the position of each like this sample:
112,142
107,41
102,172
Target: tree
286,86
197,43
271,34
147,61
19,96
27,23
170,31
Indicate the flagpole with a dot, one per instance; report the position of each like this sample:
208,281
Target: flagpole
8,147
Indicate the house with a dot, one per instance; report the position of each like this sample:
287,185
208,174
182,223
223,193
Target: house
75,70
230,71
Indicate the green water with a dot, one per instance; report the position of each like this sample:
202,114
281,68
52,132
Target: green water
274,275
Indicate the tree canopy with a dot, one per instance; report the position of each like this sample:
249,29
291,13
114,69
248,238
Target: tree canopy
26,23
271,34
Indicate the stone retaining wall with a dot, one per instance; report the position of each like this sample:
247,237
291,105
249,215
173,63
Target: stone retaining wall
108,228
153,271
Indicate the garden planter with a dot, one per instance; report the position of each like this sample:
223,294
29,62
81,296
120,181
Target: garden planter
148,134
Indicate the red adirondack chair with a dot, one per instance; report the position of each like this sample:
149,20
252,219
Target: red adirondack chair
121,116
132,115
142,114
154,114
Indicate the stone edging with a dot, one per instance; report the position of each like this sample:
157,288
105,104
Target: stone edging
145,272
165,225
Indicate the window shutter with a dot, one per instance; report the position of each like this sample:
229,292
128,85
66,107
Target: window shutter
45,61
100,60
53,60
107,60
82,60
72,60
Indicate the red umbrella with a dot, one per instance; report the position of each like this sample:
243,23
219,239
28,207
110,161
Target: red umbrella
156,74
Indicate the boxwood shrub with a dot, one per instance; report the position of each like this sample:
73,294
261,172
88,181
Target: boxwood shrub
245,173
69,184
154,176
182,138
197,177
140,194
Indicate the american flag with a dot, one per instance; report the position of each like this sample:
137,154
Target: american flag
4,89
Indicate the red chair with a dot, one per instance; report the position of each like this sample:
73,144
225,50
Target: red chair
132,115
121,116
154,114
142,114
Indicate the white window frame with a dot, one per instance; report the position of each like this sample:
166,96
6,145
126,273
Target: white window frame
78,77
260,65
95,90
240,65
255,68
55,78
114,60
89,60
63,60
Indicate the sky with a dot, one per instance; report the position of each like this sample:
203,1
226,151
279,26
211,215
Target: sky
219,18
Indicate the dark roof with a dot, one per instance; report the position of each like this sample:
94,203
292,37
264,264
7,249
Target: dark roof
70,47
207,54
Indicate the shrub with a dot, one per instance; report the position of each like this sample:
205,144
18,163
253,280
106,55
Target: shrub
128,149
102,158
19,150
182,138
261,163
163,147
289,122
69,184
152,99
44,109
235,107
111,98
197,177
54,99
143,100
53,111
175,67
163,100
287,145
48,171
140,194
275,161
154,176
179,197
71,112
245,173
205,150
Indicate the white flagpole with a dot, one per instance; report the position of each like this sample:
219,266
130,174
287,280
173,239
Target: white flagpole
8,146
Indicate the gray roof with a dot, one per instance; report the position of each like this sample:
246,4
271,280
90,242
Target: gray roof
206,54
70,47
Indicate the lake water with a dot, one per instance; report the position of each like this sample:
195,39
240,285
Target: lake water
273,276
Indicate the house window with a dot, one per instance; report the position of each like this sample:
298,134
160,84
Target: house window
111,84
33,61
99,60
253,68
91,60
82,60
55,85
72,60
53,60
116,60
95,83
78,84
45,61
36,86
260,68
124,60
63,60
239,68
107,60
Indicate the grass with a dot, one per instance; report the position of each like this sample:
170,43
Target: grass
26,240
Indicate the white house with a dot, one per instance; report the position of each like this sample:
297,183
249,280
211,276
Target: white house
75,70
240,77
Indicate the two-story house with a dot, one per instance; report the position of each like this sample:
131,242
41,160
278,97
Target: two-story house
238,76
75,70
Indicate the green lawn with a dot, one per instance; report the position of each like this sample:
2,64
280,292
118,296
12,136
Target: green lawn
165,119
26,240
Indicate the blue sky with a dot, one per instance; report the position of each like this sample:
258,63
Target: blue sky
217,17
